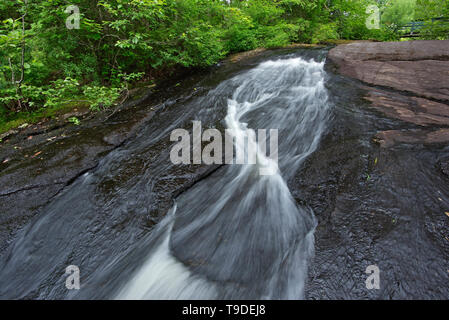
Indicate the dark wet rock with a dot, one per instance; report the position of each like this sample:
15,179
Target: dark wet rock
40,160
375,206
75,113
115,138
391,213
36,173
444,166
8,133
20,205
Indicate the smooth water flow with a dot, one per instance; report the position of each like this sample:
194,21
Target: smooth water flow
234,234
239,234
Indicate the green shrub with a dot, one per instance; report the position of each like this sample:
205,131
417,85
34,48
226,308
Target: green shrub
120,38
435,30
324,32
101,97
240,34
278,35
203,46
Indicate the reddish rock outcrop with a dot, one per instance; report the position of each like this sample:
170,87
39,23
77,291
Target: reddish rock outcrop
391,137
411,109
419,73
391,51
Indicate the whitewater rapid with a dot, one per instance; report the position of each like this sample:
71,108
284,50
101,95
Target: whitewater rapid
239,234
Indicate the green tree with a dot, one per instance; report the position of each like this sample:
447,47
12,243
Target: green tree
398,12
435,14
45,65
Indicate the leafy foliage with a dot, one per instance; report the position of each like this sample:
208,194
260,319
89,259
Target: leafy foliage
44,64
398,12
436,15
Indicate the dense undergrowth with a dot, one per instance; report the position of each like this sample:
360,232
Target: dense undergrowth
49,63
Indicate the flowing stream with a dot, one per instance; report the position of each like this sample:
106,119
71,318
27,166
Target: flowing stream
235,234
138,226
242,235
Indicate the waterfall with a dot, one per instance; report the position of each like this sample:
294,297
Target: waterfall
239,234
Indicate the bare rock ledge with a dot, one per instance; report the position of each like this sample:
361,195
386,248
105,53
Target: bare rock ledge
404,80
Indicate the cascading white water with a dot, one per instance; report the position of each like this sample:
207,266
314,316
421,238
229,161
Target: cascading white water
238,234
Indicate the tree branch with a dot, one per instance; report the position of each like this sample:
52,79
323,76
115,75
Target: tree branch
22,67
13,78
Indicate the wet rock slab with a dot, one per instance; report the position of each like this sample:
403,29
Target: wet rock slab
381,203
378,184
38,161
